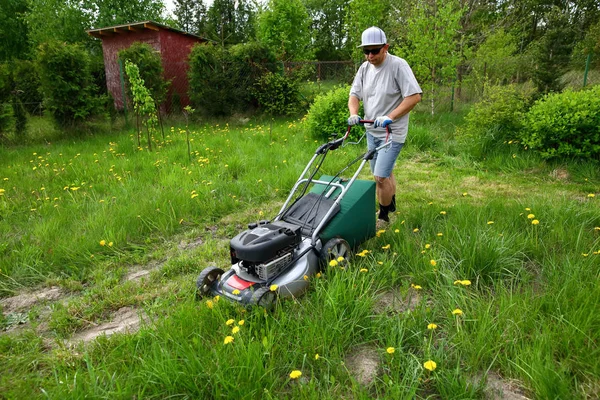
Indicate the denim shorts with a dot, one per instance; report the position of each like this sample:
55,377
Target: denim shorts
383,163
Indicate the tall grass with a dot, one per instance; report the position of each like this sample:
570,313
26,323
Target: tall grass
500,253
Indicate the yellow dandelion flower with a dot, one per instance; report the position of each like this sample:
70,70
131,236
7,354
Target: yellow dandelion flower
527,209
416,287
228,339
457,311
380,262
340,259
273,288
443,212
430,365
490,222
235,329
465,194
379,232
110,244
305,277
241,322
597,228
440,234
194,195
295,374
318,275
457,282
217,298
317,356
585,254
433,263
432,326
333,263
229,322
364,270
235,292
535,222
465,282
396,230
427,246
391,350
416,230
530,216
103,243
386,247
209,304
591,195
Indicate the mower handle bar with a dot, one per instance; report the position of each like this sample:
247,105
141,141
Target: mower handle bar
336,143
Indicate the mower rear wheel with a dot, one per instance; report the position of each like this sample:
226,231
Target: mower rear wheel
334,249
264,297
207,278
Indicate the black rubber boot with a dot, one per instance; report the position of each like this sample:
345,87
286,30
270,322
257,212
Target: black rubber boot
392,206
383,213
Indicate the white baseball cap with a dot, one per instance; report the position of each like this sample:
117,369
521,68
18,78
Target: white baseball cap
373,36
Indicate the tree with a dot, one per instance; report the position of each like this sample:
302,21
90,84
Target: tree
60,20
230,21
191,15
116,12
285,27
495,60
329,33
13,30
433,48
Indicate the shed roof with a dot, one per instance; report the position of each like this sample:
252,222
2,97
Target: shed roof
135,27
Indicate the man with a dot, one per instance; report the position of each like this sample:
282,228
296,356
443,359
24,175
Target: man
389,91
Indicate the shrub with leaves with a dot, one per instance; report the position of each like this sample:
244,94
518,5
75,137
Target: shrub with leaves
497,118
565,125
143,103
278,94
150,68
328,115
66,82
5,89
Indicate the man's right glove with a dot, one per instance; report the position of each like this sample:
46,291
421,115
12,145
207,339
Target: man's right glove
353,120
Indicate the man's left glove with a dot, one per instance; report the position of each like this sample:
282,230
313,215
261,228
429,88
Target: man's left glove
382,121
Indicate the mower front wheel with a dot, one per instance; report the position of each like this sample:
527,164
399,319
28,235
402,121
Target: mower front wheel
264,297
207,278
334,249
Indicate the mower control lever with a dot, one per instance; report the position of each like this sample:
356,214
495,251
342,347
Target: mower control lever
332,145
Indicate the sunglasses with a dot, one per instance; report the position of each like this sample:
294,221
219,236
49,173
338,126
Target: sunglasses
373,51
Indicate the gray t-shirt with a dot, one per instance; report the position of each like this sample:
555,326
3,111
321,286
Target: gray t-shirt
382,89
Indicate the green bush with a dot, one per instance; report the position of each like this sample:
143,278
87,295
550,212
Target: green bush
6,117
496,119
329,114
150,66
565,125
27,85
222,80
277,95
66,82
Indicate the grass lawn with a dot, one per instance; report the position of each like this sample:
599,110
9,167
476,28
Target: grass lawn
486,282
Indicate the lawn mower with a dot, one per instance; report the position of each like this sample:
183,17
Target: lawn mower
321,220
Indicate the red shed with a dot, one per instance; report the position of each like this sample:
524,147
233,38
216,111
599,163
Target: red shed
173,45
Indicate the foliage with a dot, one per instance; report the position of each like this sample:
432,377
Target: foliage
115,12
27,84
150,68
222,80
434,38
57,20
277,94
589,45
285,27
496,119
66,82
13,30
328,115
495,60
230,21
565,125
191,15
328,29
143,103
5,94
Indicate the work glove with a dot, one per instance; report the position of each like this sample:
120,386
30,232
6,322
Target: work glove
354,119
382,121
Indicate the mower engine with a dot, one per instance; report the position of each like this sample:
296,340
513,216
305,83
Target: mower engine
266,248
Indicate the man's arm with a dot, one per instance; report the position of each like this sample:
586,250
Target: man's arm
405,106
354,105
